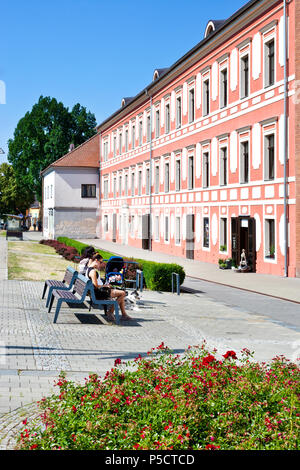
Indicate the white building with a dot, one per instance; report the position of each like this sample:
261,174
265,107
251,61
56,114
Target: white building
71,193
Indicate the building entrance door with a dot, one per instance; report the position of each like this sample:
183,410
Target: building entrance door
243,237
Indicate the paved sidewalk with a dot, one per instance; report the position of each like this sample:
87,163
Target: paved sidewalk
281,287
33,350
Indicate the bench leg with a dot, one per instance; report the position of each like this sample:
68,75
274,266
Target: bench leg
49,296
51,303
117,313
44,291
59,302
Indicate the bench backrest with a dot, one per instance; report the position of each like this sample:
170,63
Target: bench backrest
70,276
82,285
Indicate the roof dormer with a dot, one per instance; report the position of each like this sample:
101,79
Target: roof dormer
212,26
158,73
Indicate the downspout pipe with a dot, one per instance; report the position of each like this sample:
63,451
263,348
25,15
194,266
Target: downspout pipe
285,142
150,178
100,200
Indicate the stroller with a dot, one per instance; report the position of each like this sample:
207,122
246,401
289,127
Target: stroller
115,272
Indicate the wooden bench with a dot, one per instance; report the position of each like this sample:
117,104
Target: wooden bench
66,284
14,233
83,291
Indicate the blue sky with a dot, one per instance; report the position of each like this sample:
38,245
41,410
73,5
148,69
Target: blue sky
94,52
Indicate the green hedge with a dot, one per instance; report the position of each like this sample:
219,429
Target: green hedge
157,276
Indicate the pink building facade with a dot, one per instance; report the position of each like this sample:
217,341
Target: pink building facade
202,162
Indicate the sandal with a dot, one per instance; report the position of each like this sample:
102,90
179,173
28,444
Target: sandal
126,317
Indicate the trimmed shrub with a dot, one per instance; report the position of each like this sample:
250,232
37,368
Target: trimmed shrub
158,276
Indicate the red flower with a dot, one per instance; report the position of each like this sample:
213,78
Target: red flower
211,447
117,361
74,409
230,354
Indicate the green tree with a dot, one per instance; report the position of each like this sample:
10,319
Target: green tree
44,135
14,198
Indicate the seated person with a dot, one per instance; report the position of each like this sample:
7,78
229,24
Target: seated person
105,291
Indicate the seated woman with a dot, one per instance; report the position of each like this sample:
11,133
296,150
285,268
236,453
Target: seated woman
105,291
85,258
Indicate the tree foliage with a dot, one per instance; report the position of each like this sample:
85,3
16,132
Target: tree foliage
44,135
14,198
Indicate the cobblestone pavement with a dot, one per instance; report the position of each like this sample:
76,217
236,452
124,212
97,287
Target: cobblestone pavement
33,350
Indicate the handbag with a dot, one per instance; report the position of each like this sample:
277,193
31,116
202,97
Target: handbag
102,293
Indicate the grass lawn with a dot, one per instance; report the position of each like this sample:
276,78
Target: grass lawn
32,261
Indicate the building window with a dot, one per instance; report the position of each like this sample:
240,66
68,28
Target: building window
223,88
223,234
115,187
244,162
223,166
126,140
167,118
177,231
141,132
148,128
177,175
206,232
270,63
132,184
115,145
205,109
157,179
269,160
270,238
105,151
157,124
140,183
178,112
167,177
120,143
205,182
105,189
120,186
156,227
147,180
126,185
191,105
191,173
88,190
244,76
105,223
166,228
133,136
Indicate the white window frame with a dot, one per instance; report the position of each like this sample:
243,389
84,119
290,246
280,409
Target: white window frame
267,259
166,219
205,248
221,237
178,187
267,133
204,151
243,53
242,141
167,117
223,146
205,104
191,111
267,37
178,238
178,115
222,105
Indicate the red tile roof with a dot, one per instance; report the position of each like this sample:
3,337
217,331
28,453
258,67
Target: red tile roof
85,155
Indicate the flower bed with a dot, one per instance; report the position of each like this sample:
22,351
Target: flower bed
167,401
68,252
